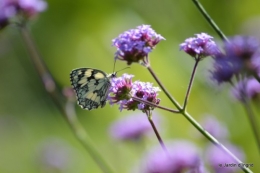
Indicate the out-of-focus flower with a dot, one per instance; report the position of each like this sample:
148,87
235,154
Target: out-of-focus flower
55,155
181,156
243,49
248,87
26,8
241,57
200,46
133,127
216,156
32,7
123,89
215,127
135,44
223,69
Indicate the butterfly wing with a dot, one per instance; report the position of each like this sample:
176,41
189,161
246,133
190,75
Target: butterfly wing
91,86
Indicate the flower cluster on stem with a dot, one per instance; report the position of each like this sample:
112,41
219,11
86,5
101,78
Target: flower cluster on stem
200,46
123,89
135,44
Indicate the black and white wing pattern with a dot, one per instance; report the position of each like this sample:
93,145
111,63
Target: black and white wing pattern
91,86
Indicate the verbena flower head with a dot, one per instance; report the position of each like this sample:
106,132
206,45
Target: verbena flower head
200,46
216,156
247,87
135,44
123,89
132,127
25,8
182,156
241,57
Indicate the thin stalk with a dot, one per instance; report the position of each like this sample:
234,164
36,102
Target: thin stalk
149,116
154,105
210,20
58,99
197,125
190,84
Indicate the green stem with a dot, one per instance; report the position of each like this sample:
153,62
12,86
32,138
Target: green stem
58,99
190,84
196,124
210,20
149,116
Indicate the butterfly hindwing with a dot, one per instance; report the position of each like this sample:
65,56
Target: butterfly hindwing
91,86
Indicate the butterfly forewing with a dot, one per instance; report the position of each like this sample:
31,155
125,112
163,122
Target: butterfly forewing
91,86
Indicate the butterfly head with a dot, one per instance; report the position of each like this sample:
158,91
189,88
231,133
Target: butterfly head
112,75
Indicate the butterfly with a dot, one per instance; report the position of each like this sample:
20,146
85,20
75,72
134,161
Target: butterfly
91,87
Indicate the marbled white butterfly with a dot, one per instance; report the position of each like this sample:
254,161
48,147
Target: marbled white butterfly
91,86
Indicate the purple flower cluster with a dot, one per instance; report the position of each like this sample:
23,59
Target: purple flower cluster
135,44
182,156
200,46
132,127
27,8
123,89
241,57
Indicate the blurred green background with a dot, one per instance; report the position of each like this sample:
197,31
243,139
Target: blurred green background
72,34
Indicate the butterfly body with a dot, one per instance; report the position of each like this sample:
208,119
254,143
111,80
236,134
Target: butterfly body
91,87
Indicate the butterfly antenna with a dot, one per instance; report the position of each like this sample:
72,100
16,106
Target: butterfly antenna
114,65
122,69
